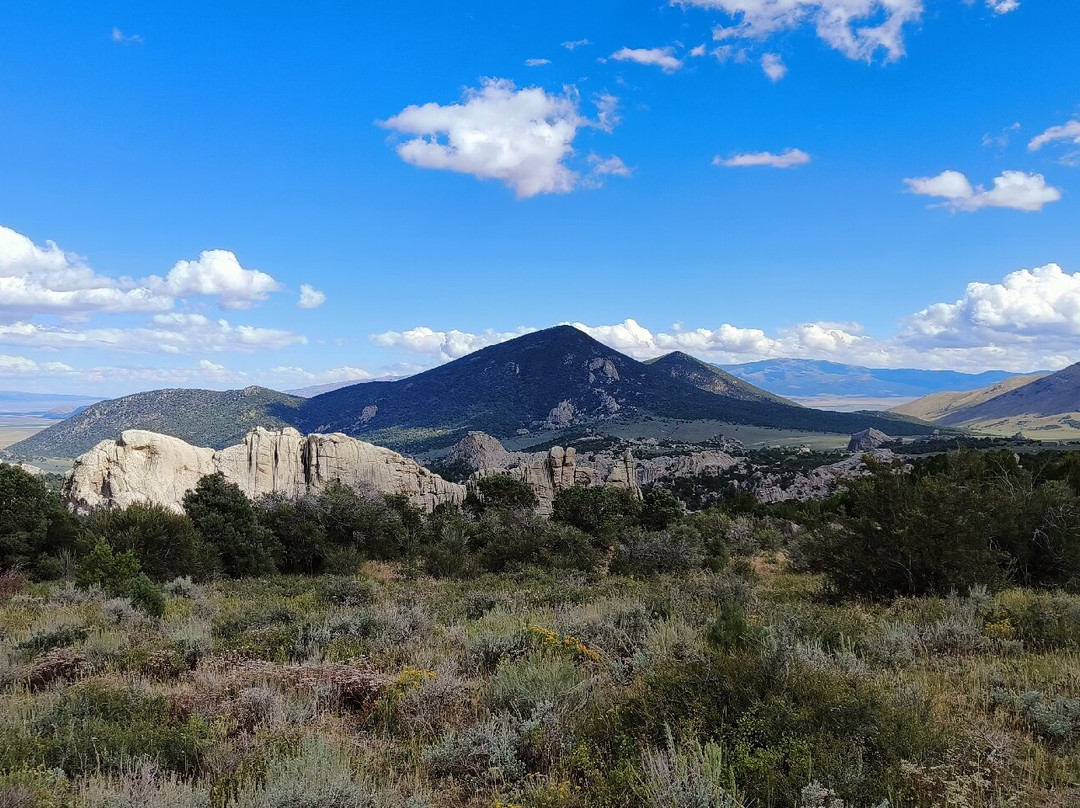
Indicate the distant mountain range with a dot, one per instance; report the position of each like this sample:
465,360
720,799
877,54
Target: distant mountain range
46,405
810,378
546,380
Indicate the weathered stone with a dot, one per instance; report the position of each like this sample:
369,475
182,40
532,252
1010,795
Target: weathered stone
147,467
867,440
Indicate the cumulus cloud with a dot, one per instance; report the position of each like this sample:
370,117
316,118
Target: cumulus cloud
1002,6
574,44
310,297
787,159
856,28
172,333
609,166
45,279
664,58
445,345
1013,189
522,138
217,273
537,62
35,279
773,66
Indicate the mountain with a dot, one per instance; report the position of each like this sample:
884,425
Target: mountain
807,378
939,405
550,379
554,378
49,405
704,376
208,418
1053,396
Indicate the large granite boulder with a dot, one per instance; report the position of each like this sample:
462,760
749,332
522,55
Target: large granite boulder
148,467
868,440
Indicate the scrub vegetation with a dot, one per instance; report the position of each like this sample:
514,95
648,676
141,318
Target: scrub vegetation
913,641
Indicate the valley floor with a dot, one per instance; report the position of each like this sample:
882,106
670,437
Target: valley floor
739,687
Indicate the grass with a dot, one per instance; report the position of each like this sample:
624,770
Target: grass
737,688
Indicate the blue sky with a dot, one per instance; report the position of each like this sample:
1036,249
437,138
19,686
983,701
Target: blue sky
886,184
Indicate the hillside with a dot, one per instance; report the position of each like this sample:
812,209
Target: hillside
712,379
201,417
555,378
939,405
1056,396
808,378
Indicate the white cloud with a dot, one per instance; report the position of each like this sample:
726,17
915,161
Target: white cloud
664,58
310,297
609,166
787,159
773,66
445,345
339,374
856,28
121,37
1069,132
519,137
1028,321
218,274
47,280
1013,189
1027,303
698,51
36,279
607,112
1002,6
574,44
537,62
21,366
172,333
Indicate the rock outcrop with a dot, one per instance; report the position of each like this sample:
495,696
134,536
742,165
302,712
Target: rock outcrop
689,465
149,467
820,482
868,440
546,474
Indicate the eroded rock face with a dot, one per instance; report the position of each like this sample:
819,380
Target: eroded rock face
867,440
148,467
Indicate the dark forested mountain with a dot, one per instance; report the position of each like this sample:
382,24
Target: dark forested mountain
708,377
553,378
201,417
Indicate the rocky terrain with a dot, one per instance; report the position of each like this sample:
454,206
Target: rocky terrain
146,466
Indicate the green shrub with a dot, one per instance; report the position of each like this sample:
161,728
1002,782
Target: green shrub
319,775
502,492
165,543
696,776
641,552
98,727
226,521
34,525
119,575
518,686
601,511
